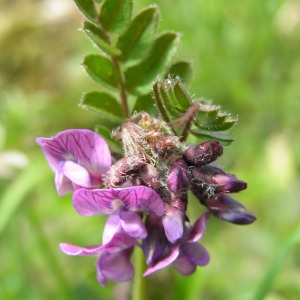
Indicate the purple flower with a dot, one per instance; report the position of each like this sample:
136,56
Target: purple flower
124,205
227,209
78,157
113,258
186,254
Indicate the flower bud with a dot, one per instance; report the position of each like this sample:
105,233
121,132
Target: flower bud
228,183
203,154
124,171
227,209
178,180
223,182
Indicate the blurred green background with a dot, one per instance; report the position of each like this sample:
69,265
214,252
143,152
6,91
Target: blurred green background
246,57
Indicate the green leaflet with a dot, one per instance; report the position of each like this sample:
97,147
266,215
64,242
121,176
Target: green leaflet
99,38
136,42
104,104
160,102
224,139
87,7
172,99
102,70
177,108
115,15
139,78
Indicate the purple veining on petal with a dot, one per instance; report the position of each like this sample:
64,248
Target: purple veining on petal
93,202
140,198
80,155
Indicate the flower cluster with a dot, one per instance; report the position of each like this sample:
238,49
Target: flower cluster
144,194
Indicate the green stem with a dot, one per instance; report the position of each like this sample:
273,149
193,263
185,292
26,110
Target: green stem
123,95
139,286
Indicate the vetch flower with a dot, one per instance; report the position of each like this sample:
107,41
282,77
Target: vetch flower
186,254
78,157
124,205
113,258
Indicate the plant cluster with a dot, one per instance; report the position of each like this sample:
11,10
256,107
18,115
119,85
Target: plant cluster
140,166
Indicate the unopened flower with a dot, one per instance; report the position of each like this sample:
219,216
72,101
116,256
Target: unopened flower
78,157
210,185
227,209
203,154
178,178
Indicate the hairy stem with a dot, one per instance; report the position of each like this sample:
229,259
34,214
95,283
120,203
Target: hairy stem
123,95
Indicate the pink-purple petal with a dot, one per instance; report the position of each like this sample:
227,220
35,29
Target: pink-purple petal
119,242
132,224
184,266
82,251
116,266
81,146
87,148
63,185
197,230
93,202
164,262
140,198
52,150
77,174
196,253
173,222
112,226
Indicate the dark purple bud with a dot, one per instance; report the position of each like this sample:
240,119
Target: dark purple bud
205,174
124,172
201,182
228,183
178,179
217,178
227,209
203,154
